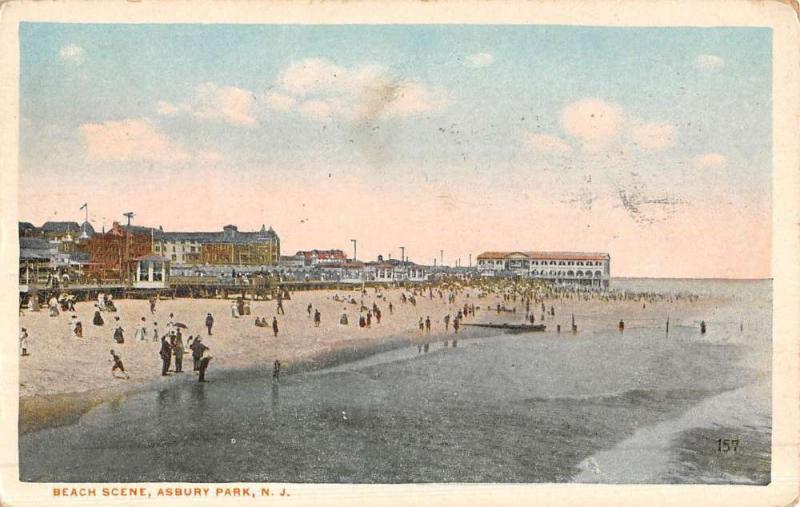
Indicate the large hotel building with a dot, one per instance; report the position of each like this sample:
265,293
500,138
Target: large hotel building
588,269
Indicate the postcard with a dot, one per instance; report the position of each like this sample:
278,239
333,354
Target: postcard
400,253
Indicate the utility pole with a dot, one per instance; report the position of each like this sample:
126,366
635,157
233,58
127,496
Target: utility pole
129,215
402,254
355,244
85,207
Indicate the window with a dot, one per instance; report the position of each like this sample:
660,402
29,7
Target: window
157,275
142,271
174,257
570,263
598,273
561,263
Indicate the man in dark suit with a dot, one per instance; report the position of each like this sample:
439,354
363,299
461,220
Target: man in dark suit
166,355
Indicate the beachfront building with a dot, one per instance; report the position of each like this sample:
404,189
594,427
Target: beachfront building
582,269
229,247
348,272
393,270
112,254
152,272
317,257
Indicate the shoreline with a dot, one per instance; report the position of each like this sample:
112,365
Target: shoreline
47,411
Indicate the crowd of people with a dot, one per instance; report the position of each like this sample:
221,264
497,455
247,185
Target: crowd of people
364,309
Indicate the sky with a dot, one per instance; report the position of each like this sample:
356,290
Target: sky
651,144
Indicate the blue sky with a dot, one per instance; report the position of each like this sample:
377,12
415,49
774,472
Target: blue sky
575,118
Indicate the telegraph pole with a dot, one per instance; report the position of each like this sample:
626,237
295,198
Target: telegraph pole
129,215
355,244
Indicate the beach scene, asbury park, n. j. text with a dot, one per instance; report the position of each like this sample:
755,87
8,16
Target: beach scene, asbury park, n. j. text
370,254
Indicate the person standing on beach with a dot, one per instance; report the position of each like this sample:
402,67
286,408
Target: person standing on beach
428,324
52,306
275,326
141,332
177,349
152,301
456,325
280,311
209,323
621,325
97,320
204,364
309,308
421,326
391,308
447,323
74,326
234,310
23,342
166,355
317,318
276,370
197,351
117,366
119,333
155,331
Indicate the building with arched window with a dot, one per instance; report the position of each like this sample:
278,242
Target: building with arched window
593,268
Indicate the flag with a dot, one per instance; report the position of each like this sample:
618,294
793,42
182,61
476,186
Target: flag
84,205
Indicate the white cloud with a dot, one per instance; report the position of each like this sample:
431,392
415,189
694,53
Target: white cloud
316,109
709,62
709,160
213,102
71,53
227,103
546,143
168,109
653,136
399,100
129,140
479,60
317,75
279,101
593,122
367,92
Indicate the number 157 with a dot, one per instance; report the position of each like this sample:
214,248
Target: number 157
727,444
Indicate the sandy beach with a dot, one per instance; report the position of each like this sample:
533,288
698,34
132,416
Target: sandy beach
65,374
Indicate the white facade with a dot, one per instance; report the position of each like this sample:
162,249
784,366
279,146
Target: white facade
152,273
562,268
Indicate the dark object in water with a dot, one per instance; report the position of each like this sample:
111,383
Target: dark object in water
514,328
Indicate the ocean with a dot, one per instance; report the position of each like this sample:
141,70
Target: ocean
599,406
